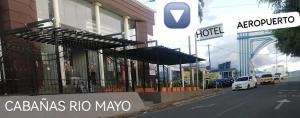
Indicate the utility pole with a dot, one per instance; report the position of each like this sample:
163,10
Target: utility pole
190,53
203,80
276,62
197,63
209,56
286,65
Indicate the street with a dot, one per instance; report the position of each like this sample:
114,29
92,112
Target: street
267,101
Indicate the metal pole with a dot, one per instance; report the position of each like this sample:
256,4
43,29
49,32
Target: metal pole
116,69
190,53
157,76
197,63
209,57
157,72
180,69
133,81
88,72
286,66
144,76
164,76
157,67
60,87
126,69
276,61
203,80
3,60
58,49
34,79
170,77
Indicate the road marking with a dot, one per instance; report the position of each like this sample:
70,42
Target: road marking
229,109
202,106
293,90
281,102
282,96
295,96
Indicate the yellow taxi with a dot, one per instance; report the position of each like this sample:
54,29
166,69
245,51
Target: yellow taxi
267,78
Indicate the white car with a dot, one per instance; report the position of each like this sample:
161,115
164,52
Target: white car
245,82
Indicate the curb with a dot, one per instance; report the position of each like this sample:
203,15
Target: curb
161,106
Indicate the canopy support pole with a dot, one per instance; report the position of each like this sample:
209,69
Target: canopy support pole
157,77
126,69
180,72
144,76
164,76
58,49
88,71
116,70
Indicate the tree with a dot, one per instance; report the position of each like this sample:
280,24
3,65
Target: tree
288,38
200,9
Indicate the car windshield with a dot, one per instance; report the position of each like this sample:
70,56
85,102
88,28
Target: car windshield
267,75
277,73
242,79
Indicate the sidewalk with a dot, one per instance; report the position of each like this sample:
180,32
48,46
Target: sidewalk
160,106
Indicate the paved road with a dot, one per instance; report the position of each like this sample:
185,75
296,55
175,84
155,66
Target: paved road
267,101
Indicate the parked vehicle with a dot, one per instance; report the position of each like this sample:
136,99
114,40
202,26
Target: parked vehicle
220,83
278,76
267,78
245,82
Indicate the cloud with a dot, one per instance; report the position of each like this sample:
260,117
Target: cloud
210,17
225,48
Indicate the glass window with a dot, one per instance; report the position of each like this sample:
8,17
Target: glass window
242,79
132,30
43,10
267,75
110,22
78,14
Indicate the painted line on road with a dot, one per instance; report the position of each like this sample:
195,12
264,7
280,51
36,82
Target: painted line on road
202,106
281,102
282,96
293,90
229,109
296,96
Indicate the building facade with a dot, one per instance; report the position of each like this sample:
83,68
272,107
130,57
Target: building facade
31,67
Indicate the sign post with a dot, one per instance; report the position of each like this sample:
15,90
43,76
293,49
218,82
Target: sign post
203,34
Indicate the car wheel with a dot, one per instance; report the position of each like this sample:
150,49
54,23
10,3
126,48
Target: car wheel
248,86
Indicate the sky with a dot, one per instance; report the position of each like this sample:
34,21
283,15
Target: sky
224,48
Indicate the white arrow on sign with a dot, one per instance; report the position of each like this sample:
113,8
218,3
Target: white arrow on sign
281,102
177,14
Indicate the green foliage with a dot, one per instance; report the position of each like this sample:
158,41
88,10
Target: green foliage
289,38
200,9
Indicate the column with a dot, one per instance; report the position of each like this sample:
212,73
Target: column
97,6
126,36
60,48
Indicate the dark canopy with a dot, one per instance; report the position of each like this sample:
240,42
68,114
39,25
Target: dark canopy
72,38
159,55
